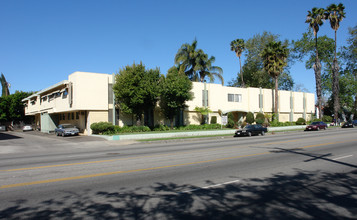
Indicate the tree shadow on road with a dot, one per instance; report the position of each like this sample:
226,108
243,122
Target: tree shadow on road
6,136
304,195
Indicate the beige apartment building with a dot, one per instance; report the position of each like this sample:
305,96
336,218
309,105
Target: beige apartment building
86,98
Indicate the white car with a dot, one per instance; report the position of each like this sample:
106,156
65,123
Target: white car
27,128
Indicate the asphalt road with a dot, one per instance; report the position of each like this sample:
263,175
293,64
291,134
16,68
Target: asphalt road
295,175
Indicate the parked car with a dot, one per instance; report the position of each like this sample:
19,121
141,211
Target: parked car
27,128
354,122
250,130
66,129
316,125
348,124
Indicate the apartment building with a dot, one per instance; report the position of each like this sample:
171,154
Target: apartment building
86,98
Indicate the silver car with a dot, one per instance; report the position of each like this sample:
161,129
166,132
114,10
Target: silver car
66,129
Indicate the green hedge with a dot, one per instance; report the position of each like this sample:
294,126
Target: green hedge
102,127
301,121
260,118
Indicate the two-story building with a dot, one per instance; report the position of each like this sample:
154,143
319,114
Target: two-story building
86,98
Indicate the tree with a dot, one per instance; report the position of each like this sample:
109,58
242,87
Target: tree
137,89
12,107
306,47
238,47
335,14
196,64
5,86
274,58
349,56
315,19
253,68
205,68
175,91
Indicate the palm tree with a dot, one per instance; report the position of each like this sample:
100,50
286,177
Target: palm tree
5,86
274,57
335,14
205,68
238,47
196,64
315,19
185,58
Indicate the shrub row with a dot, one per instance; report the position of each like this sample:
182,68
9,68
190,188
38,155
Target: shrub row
108,129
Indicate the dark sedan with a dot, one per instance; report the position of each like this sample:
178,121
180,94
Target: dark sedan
250,130
316,125
66,129
348,124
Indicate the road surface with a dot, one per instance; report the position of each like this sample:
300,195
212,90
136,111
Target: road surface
295,175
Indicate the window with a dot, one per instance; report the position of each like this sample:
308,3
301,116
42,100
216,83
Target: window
72,116
77,115
69,116
234,97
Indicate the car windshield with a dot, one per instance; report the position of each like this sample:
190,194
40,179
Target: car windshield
248,127
68,126
315,123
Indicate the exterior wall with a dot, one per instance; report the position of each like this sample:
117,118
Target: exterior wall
88,87
95,116
218,100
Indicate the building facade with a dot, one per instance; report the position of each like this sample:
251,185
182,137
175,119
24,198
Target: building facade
86,98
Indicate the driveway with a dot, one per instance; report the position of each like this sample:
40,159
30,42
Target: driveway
18,141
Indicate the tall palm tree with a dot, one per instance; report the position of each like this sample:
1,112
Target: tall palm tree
205,68
196,64
274,60
185,58
335,14
238,47
315,19
5,86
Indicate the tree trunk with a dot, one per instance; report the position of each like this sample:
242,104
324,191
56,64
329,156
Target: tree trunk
172,123
241,74
335,83
276,98
335,88
317,68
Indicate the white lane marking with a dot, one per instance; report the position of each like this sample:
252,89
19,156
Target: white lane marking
211,186
338,158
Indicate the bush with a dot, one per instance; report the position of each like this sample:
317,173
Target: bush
327,118
301,121
259,118
161,128
102,127
214,120
316,119
249,118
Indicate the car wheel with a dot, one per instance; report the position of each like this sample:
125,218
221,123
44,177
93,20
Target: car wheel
249,134
263,133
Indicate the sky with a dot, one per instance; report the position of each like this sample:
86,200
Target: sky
43,41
